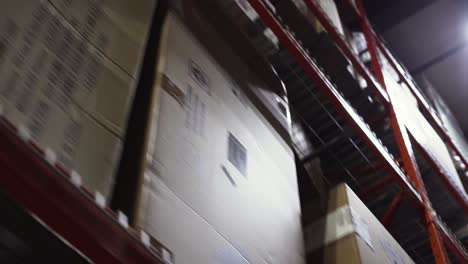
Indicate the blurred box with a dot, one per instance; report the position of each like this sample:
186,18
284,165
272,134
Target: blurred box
348,232
270,99
328,8
64,86
117,28
247,18
78,140
218,178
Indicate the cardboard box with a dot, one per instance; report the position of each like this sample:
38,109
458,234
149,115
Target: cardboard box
117,28
58,83
184,231
349,233
328,7
46,53
80,143
269,96
218,178
247,18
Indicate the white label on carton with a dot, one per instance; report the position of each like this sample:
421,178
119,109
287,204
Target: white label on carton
23,133
50,156
336,225
329,228
75,179
145,239
362,228
123,220
100,200
248,9
196,112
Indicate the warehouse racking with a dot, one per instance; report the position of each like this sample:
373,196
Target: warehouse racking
414,187
31,177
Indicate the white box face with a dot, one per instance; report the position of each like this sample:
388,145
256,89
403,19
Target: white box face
220,159
189,237
79,142
377,245
350,233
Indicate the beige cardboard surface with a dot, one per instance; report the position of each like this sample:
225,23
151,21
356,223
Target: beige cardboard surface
328,7
344,250
79,142
219,158
71,96
44,54
117,28
369,242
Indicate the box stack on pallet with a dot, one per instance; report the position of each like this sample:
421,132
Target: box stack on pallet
210,153
68,73
362,159
346,231
224,131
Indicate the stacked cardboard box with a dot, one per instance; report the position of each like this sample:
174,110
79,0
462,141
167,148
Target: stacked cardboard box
67,73
328,7
214,33
247,18
220,183
347,232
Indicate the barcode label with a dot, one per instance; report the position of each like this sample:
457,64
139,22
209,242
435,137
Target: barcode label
237,154
195,112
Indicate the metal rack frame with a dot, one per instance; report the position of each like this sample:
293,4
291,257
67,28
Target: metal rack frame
103,235
438,234
32,178
407,80
376,44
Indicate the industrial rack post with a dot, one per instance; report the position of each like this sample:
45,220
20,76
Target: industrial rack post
404,144
32,178
405,77
422,103
434,227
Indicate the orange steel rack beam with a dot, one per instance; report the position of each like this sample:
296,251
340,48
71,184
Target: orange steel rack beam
30,176
404,145
381,93
423,104
343,107
33,179
403,140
